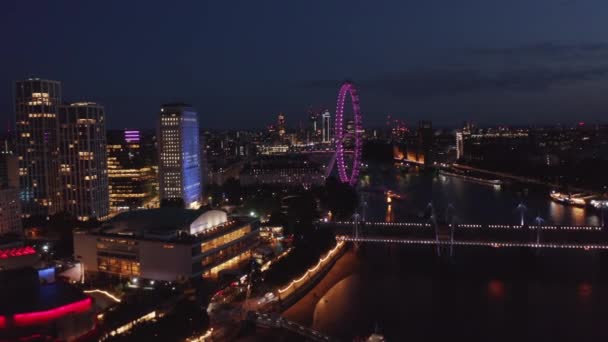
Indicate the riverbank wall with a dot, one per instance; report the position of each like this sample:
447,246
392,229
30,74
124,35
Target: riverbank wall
299,287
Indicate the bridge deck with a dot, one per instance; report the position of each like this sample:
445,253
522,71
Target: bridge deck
587,237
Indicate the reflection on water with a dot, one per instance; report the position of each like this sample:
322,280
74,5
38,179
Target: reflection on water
473,202
557,212
389,214
496,289
480,294
585,291
484,295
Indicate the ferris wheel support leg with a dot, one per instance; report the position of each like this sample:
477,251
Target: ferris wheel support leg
331,164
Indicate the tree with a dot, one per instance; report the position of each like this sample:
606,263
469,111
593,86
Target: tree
172,203
340,198
301,212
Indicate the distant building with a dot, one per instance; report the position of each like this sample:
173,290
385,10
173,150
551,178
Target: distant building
83,167
130,176
313,117
460,145
426,141
286,170
326,123
281,124
179,155
493,144
167,244
36,107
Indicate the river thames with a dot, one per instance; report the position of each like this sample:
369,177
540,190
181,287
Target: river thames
482,294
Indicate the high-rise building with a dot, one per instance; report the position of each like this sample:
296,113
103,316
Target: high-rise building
326,123
313,117
36,107
131,177
10,206
83,167
179,155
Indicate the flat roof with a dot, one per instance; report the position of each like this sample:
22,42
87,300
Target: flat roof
127,232
160,219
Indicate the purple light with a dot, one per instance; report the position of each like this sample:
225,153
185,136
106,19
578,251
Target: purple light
340,134
132,136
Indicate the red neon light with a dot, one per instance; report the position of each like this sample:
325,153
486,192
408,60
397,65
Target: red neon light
15,252
2,322
42,317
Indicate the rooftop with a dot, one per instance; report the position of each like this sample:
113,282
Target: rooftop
173,225
158,220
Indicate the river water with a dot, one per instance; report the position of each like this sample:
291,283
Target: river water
409,294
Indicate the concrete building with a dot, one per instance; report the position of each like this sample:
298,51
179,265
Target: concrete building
179,155
167,244
36,108
83,167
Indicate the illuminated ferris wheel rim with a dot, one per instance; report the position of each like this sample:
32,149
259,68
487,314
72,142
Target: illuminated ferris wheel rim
348,87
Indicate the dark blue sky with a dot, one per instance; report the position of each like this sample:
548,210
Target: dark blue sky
241,62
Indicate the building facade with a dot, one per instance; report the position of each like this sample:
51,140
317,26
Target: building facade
83,167
179,155
131,177
36,107
167,244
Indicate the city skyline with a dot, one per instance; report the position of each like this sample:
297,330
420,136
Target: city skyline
319,171
486,70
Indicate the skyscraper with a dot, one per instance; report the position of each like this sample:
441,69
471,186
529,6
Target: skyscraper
326,123
131,177
179,155
36,108
83,167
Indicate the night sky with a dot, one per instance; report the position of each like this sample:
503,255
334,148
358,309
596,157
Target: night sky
241,62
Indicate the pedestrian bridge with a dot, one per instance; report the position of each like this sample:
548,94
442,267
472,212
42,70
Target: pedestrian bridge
472,235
